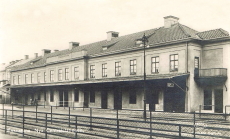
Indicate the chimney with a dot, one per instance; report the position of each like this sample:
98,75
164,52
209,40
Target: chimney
26,57
73,45
45,51
111,35
170,20
56,50
35,55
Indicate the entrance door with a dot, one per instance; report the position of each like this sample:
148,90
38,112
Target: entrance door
152,99
118,100
219,100
104,99
86,99
63,98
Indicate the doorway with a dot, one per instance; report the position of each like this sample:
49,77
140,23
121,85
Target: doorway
63,98
218,100
104,99
86,99
117,100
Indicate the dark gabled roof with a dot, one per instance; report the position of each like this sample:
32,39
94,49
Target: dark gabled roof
157,36
213,34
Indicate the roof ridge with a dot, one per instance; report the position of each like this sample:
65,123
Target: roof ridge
208,30
224,31
186,33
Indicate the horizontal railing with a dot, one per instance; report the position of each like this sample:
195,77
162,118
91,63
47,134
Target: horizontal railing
212,72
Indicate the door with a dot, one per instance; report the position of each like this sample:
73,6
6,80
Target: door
218,100
152,99
117,100
63,98
86,99
196,67
104,100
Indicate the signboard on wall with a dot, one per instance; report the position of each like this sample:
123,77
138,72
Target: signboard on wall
170,84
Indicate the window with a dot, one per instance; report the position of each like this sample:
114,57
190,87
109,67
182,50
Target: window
207,99
92,97
45,76
92,71
19,79
196,63
104,70
133,67
66,73
76,72
39,77
32,78
51,96
14,79
118,68
174,62
132,97
155,64
60,74
76,95
51,75
26,78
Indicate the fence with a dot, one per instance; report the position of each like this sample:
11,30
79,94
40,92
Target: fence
87,123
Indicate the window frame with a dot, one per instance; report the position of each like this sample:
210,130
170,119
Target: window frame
104,70
60,75
26,78
32,78
118,68
66,73
45,77
76,72
174,61
14,79
51,75
38,77
155,64
133,67
92,71
19,79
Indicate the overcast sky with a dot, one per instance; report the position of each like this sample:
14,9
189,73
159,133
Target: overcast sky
28,26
